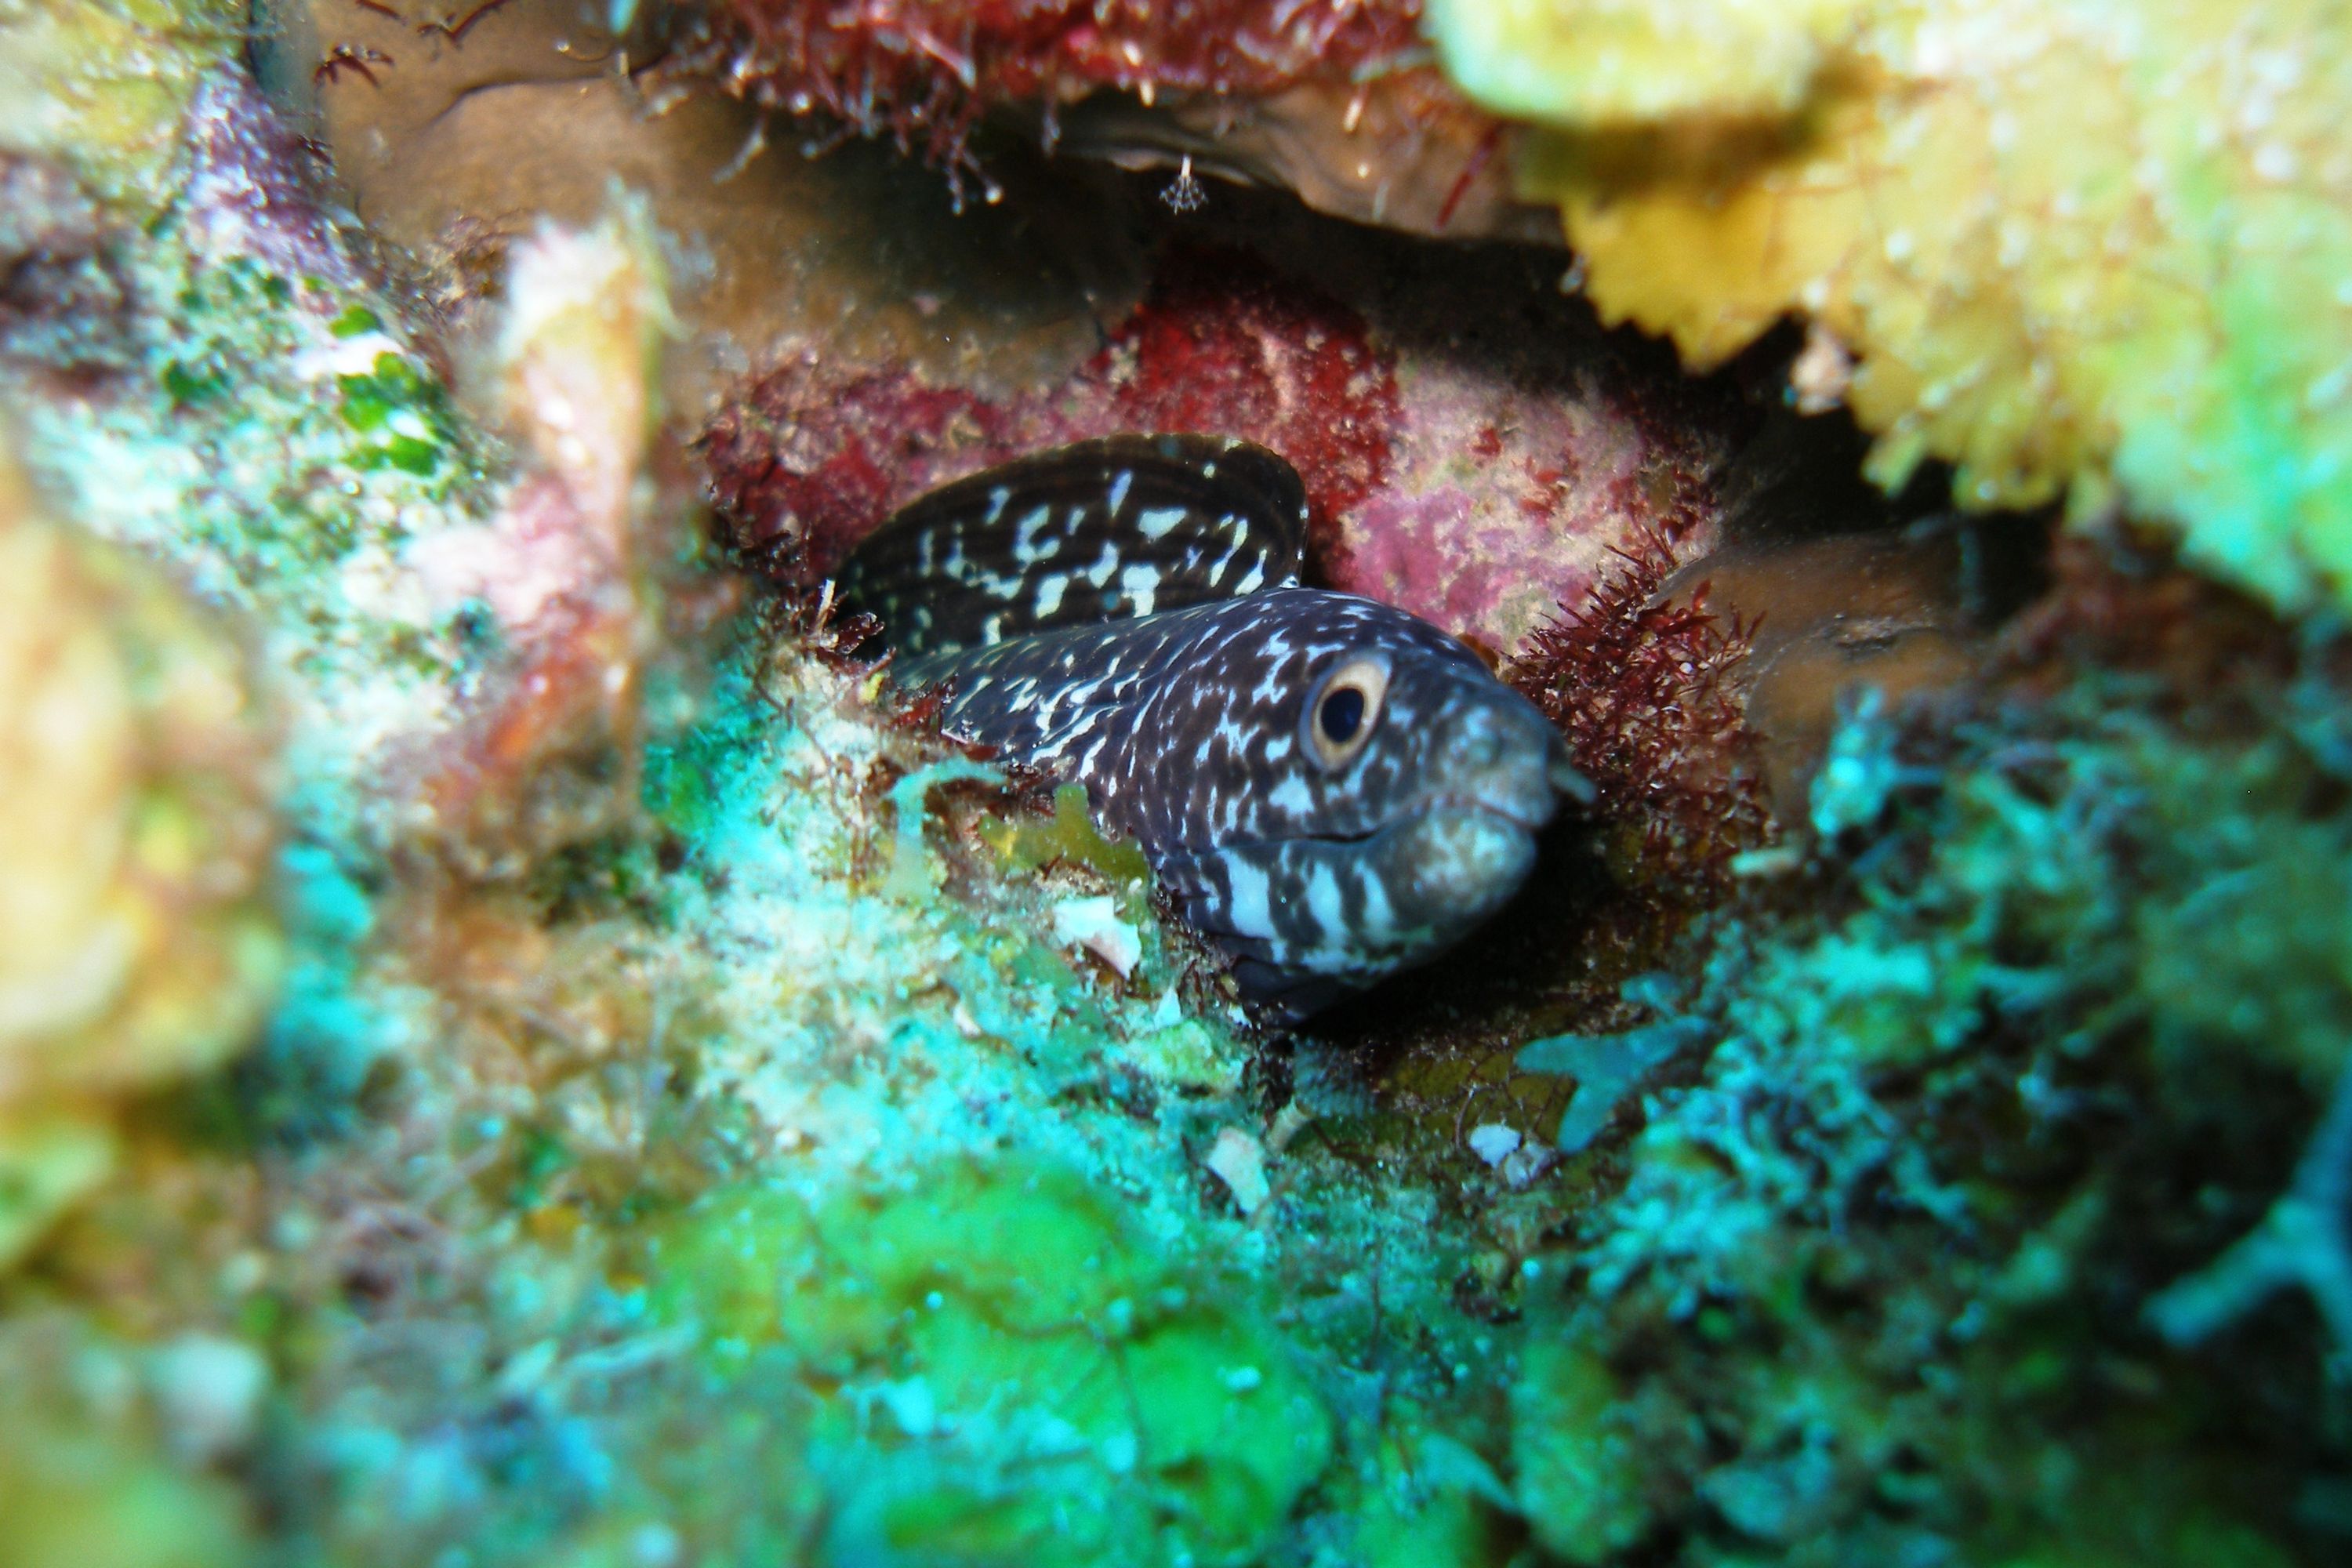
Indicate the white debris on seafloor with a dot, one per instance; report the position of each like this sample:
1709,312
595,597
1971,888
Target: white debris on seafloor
1288,1124
1493,1142
1094,924
1186,1055
1524,1166
1238,1160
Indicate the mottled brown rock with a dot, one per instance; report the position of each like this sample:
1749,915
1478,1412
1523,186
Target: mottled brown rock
1827,617
450,148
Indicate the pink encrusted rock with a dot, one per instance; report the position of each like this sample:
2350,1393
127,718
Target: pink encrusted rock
253,190
1481,485
562,563
1500,504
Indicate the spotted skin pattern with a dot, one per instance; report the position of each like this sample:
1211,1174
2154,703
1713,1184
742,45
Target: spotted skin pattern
1321,868
1106,530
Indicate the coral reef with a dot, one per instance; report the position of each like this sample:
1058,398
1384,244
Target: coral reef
136,946
1478,498
2092,250
925,72
662,1103
1951,1126
606,948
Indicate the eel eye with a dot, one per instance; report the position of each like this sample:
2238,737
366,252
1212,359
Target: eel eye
1346,710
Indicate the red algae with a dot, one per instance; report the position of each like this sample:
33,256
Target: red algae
923,72
812,458
1643,688
254,189
1223,344
1479,481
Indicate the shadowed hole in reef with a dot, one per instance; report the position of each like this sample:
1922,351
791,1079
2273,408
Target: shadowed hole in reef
1818,587
1479,449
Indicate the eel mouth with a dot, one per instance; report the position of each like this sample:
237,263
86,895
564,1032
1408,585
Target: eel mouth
1528,822
1435,806
1524,820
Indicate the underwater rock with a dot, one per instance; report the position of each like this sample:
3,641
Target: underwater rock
136,944
465,143
1478,488
2084,250
549,755
253,190
99,89
1400,150
1828,617
1335,102
54,235
926,71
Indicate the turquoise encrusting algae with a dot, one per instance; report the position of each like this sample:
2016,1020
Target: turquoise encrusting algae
702,1119
452,1204
1951,1135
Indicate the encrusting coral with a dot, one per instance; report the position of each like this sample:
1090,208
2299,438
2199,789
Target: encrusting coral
709,1117
136,944
1985,1049
2090,250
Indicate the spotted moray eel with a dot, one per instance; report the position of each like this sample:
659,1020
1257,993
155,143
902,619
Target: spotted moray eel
1331,789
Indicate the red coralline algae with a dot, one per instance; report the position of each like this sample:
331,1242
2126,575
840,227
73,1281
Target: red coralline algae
1480,486
1643,690
1222,344
812,458
924,71
254,190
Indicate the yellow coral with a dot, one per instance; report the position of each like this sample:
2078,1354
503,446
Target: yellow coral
1592,62
101,85
2077,245
133,943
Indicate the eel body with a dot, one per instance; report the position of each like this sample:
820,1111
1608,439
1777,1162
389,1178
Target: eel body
1331,789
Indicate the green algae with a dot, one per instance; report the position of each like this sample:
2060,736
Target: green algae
1070,836
1584,1464
1035,1382
1884,1226
699,1190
